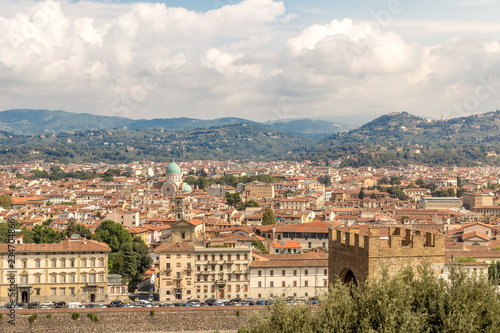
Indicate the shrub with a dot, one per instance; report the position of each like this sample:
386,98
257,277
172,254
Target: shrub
75,315
1,316
152,313
93,317
238,313
32,318
49,316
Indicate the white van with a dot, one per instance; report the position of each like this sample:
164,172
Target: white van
75,305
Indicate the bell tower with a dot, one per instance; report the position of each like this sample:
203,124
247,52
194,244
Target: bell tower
179,208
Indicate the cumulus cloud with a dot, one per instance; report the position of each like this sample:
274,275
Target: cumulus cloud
147,60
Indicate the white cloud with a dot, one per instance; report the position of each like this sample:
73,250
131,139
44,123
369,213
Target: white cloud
147,60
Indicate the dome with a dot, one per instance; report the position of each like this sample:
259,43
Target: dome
173,168
186,188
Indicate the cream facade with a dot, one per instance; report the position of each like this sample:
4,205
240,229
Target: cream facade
72,270
280,275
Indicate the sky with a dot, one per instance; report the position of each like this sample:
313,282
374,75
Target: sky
256,59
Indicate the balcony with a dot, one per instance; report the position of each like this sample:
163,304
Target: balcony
220,282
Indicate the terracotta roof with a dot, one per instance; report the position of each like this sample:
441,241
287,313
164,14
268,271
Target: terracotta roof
286,245
177,247
469,235
65,245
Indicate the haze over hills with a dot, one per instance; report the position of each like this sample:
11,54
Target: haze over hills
26,121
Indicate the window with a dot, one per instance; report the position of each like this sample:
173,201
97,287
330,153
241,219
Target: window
178,264
92,263
198,257
72,279
183,235
306,272
221,257
63,291
246,256
198,288
53,263
37,291
206,256
245,288
294,273
295,283
53,291
309,245
63,279
259,284
168,256
325,283
237,257
306,283
101,262
189,256
178,256
101,277
37,264
84,263
71,291
229,257
24,279
92,278
271,284
325,272
283,284
84,278
101,290
213,257
53,279
72,263
271,273
63,263
37,279
237,288
228,288
84,291
25,264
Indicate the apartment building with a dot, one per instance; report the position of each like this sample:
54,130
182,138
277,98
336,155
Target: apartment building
72,270
259,190
279,275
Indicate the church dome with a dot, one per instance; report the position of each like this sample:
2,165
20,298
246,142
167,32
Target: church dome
186,188
173,168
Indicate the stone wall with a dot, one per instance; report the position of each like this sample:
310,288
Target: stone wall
131,320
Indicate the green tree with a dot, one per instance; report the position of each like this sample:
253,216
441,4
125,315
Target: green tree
44,234
420,182
108,179
233,199
74,228
373,196
361,194
4,231
112,234
268,217
6,201
28,235
259,246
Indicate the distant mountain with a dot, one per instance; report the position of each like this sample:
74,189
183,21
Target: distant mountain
26,121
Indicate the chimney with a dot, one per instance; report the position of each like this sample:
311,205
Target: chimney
274,232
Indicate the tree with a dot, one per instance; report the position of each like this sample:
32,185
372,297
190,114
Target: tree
28,235
4,231
108,179
112,234
289,193
44,234
459,182
6,201
268,216
74,228
420,182
233,199
259,246
361,194
373,196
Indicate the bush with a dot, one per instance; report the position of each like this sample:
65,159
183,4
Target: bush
32,318
152,313
49,316
1,316
406,301
75,315
93,317
238,313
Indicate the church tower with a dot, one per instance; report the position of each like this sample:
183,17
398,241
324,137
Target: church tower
179,208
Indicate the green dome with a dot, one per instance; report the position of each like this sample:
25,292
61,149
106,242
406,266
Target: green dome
173,168
186,188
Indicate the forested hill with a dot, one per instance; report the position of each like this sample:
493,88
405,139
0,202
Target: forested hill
405,129
236,142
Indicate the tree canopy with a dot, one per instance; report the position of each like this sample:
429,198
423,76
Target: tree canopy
268,217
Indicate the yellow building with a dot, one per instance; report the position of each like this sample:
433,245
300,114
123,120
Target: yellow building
72,270
259,190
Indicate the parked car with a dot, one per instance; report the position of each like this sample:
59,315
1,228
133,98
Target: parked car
193,301
236,300
61,303
249,299
47,303
223,300
34,304
45,307
211,301
117,301
219,303
101,306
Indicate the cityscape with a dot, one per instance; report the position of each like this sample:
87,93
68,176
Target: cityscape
249,166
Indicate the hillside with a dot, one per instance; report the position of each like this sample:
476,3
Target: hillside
238,141
29,122
405,129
